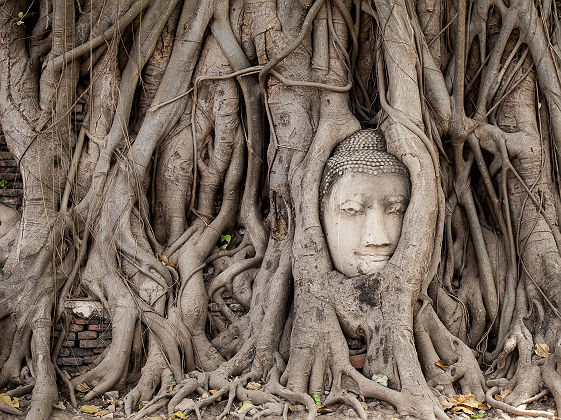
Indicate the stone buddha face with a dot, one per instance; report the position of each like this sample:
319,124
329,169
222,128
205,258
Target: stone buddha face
364,194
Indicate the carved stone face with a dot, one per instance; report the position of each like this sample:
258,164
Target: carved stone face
362,217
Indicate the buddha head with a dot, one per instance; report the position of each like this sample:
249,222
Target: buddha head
364,193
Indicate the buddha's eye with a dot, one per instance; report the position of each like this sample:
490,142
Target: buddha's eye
396,208
351,208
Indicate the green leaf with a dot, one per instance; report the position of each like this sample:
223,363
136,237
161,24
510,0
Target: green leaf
80,394
20,14
2,270
477,416
15,206
3,183
316,399
225,238
19,22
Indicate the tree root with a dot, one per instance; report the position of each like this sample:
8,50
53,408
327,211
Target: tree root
513,410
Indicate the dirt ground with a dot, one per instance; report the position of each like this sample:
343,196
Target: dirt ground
376,411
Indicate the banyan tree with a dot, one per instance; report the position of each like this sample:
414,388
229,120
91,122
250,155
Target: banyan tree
219,142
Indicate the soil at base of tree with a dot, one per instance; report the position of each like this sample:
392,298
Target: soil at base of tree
377,410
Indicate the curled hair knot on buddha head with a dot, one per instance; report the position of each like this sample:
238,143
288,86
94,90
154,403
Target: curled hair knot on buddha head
362,152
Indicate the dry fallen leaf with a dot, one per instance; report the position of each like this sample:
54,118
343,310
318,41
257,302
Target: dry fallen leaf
178,415
441,364
214,391
501,397
381,379
245,407
363,404
84,387
101,413
542,350
253,386
463,404
89,409
12,402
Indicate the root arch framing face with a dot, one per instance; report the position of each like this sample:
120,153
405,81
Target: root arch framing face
185,164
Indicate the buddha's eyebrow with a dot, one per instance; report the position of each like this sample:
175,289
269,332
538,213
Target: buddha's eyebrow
357,198
394,199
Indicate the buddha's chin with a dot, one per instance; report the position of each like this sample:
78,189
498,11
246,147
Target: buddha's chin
367,266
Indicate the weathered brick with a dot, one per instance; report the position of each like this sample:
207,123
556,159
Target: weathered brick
90,359
99,350
78,352
64,352
71,336
88,344
81,321
87,335
75,328
96,327
69,361
68,343
357,361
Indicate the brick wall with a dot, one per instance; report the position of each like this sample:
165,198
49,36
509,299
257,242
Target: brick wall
11,186
89,333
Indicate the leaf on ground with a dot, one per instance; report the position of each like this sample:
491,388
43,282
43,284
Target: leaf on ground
253,386
542,350
477,416
364,405
225,238
101,413
501,397
165,260
380,378
89,409
214,391
12,402
322,409
178,415
80,394
245,406
316,399
441,364
84,387
463,404
170,388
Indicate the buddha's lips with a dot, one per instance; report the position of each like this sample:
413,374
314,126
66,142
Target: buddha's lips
373,258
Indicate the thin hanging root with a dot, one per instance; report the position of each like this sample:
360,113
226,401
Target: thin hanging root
513,410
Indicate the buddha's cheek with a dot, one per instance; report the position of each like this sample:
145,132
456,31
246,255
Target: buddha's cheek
343,236
393,224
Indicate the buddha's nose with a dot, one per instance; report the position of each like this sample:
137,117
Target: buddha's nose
374,233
